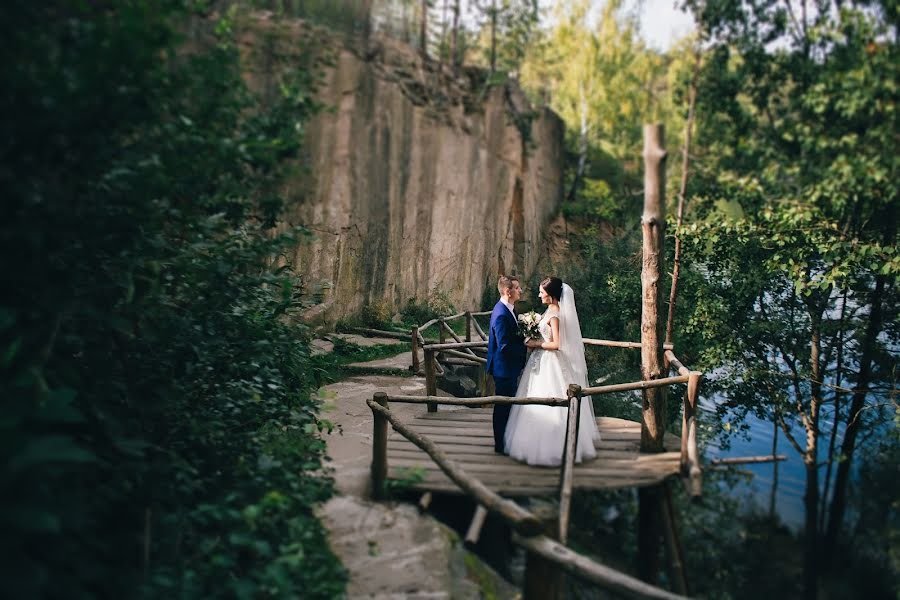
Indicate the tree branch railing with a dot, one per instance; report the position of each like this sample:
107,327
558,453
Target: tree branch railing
463,353
527,526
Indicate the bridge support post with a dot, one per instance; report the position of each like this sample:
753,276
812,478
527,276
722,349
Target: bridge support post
379,449
544,580
415,351
468,326
430,378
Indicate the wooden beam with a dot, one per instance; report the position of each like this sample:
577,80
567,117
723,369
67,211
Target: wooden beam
415,350
472,356
635,385
591,571
480,401
653,226
674,362
615,344
430,378
568,462
458,339
455,345
380,332
520,519
379,448
474,531
692,462
479,330
746,460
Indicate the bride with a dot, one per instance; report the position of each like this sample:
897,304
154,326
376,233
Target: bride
536,433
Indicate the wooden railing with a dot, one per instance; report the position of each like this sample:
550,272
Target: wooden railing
527,527
468,353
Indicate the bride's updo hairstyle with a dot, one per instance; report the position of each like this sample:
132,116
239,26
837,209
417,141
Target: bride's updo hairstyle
553,286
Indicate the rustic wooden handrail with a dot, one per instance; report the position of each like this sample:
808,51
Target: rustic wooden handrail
471,357
674,362
591,571
635,385
521,520
479,401
617,344
455,345
747,460
690,454
566,475
526,526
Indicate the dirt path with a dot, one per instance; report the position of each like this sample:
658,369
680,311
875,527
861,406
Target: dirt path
391,550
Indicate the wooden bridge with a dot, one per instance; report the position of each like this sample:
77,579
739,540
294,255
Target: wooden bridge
466,436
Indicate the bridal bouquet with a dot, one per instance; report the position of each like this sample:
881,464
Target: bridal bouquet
528,324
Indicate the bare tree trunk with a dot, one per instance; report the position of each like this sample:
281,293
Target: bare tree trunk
582,145
653,223
839,496
653,420
811,460
493,36
839,370
682,192
774,493
423,28
454,33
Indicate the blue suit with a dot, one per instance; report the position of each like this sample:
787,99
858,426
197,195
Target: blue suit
505,361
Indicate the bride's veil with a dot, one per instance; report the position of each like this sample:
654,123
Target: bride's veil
572,344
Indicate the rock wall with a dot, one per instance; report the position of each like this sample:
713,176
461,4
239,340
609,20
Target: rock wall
420,179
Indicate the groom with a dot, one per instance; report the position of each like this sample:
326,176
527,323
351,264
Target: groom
506,352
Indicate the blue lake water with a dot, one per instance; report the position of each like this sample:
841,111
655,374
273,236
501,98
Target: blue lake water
791,472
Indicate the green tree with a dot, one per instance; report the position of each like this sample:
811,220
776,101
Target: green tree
798,309
158,436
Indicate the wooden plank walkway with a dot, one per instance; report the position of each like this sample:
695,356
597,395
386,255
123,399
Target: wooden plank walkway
466,436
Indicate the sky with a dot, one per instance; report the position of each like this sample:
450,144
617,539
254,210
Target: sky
662,24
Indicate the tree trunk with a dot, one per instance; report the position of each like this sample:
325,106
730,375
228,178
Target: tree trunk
423,28
454,33
839,373
682,192
811,458
653,266
811,542
839,496
653,420
493,36
774,466
582,145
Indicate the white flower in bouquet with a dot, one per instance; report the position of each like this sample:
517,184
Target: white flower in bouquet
528,323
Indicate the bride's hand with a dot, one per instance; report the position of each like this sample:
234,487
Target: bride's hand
533,343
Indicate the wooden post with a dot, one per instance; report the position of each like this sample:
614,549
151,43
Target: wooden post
543,579
568,463
430,378
653,225
379,449
690,456
415,350
673,544
468,326
653,413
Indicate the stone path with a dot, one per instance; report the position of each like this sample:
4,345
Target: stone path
391,550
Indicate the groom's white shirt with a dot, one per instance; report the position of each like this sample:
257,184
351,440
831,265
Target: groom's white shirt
511,307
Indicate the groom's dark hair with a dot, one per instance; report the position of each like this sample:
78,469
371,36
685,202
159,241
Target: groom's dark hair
505,283
553,286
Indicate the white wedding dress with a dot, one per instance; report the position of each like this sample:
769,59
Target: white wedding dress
536,433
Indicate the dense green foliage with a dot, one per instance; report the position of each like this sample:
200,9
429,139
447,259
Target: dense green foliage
798,303
158,435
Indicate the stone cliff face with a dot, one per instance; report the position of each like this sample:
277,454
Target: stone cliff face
419,180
